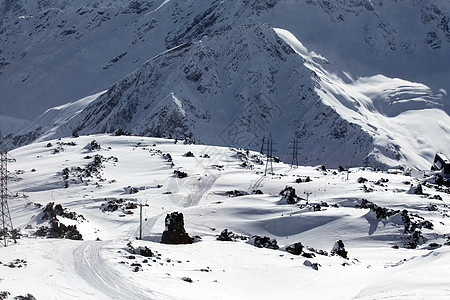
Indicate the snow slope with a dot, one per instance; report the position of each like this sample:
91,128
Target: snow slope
403,117
101,266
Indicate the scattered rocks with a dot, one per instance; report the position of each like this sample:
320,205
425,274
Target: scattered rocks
93,146
180,174
381,182
27,297
300,180
189,154
59,231
412,228
288,195
131,190
432,207
141,250
226,235
416,189
56,228
51,211
318,251
381,212
264,242
120,132
296,248
362,180
17,263
93,169
339,249
367,189
314,266
137,267
235,193
167,157
116,204
433,246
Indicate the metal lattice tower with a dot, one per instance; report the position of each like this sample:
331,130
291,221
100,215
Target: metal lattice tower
262,145
294,153
7,230
269,156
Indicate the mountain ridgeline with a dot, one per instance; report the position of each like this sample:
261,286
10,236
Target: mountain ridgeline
231,72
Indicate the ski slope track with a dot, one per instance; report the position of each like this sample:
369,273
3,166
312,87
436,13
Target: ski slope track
95,271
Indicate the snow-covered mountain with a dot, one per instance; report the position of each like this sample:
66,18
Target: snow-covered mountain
230,72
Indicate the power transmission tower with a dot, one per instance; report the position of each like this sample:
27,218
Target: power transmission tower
7,226
262,145
294,153
269,155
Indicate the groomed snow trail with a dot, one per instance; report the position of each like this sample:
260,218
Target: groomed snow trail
90,265
201,189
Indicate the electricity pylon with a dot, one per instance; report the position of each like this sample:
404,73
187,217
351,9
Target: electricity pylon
294,148
269,156
7,230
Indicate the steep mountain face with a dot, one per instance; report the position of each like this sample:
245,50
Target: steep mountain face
77,48
223,73
407,39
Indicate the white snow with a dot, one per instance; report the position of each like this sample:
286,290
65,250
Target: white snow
91,269
390,109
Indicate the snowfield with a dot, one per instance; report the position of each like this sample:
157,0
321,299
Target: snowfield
391,253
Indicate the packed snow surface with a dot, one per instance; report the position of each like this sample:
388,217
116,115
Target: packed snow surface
219,192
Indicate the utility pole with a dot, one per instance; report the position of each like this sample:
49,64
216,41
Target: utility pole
140,218
7,226
307,193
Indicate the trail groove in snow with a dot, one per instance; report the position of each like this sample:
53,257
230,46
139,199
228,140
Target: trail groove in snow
205,184
96,272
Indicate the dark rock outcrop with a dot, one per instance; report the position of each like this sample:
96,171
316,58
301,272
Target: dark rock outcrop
175,232
339,249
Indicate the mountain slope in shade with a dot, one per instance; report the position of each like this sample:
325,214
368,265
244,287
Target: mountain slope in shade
238,85
77,48
10,125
